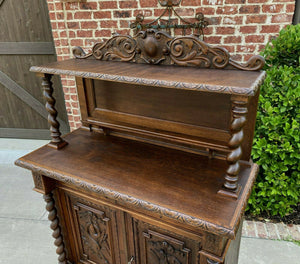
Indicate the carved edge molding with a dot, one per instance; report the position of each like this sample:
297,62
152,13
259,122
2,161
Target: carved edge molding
158,47
125,199
158,83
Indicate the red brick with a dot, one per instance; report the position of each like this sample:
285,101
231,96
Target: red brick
145,12
123,14
50,6
272,8
227,10
60,15
69,16
208,31
102,14
125,24
233,39
235,20
272,232
109,24
247,57
88,5
191,3
295,233
206,10
235,2
261,230
63,34
212,39
74,104
77,119
148,3
270,29
72,34
108,4
251,229
225,30
214,20
74,25
52,16
76,42
249,9
128,4
255,39
245,48
212,2
88,24
283,231
84,33
185,11
236,57
290,8
64,42
102,33
59,6
83,15
248,29
281,18
256,19
230,48
61,25
257,1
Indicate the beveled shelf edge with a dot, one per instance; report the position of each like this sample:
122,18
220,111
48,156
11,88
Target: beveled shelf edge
158,83
126,199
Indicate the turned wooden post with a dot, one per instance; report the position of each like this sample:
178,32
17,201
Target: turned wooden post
50,207
57,142
239,118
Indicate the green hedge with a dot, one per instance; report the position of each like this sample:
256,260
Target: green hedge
277,137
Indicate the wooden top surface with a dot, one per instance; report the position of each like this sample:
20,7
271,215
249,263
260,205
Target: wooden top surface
188,78
168,184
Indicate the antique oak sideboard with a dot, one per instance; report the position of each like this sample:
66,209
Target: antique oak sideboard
160,171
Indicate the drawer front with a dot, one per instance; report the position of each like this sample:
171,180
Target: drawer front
94,228
160,246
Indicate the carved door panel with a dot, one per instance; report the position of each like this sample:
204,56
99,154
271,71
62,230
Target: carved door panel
159,246
96,233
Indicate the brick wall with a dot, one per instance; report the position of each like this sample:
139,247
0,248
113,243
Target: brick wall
241,26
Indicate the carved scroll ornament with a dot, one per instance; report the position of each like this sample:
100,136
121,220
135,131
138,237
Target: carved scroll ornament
157,47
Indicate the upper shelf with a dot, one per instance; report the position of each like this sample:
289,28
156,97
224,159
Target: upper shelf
187,78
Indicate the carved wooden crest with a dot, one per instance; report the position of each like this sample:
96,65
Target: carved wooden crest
152,45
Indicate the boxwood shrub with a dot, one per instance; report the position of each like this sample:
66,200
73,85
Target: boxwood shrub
277,137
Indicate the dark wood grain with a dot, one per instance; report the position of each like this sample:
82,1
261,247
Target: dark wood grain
206,80
173,179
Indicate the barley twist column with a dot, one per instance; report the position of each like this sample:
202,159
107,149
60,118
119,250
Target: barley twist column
239,113
52,216
57,142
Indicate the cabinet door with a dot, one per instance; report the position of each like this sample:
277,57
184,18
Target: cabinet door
160,246
94,228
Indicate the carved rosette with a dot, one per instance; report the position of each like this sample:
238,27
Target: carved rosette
157,47
56,142
50,207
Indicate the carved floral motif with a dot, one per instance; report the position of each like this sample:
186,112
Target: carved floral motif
163,249
157,47
94,232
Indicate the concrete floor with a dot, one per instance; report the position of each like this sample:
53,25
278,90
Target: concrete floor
25,236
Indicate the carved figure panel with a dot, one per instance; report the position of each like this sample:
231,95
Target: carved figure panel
95,235
162,249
